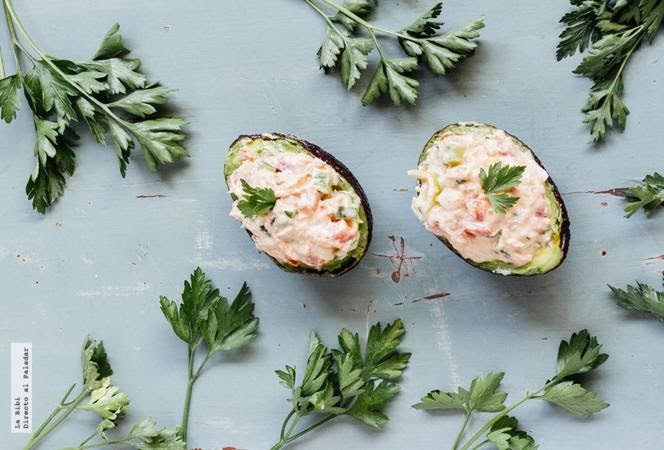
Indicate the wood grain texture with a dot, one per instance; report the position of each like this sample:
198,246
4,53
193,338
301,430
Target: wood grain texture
98,261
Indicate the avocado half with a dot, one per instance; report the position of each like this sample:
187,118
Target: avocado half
294,144
546,259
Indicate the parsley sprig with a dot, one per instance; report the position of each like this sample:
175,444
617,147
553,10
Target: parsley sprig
256,201
109,403
107,92
648,195
612,31
345,382
204,316
497,181
346,51
642,298
581,354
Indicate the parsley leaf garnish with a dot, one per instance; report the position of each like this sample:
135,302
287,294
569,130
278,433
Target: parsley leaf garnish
345,381
108,93
581,354
256,201
109,403
648,195
613,31
344,51
205,316
497,182
642,298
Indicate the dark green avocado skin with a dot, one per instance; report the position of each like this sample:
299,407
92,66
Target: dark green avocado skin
564,225
350,262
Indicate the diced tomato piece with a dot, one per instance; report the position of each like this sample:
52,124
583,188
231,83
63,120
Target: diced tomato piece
480,211
474,231
541,212
345,236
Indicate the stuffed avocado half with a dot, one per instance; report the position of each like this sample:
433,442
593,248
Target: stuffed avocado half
300,205
486,196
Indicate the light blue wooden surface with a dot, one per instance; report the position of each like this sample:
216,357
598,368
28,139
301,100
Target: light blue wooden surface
98,261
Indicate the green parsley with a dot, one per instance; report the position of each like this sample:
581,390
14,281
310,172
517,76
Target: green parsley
256,201
580,355
109,403
106,92
204,316
346,52
648,195
642,298
497,182
612,30
345,382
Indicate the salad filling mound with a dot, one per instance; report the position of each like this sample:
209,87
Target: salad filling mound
317,216
453,203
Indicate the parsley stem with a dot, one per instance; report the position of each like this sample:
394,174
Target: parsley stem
466,420
370,27
102,444
312,427
16,45
487,426
13,17
481,444
187,398
621,69
63,411
88,439
2,66
55,412
283,426
495,419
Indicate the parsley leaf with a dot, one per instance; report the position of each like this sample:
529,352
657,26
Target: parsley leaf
506,435
256,201
370,403
107,401
389,78
581,354
345,381
497,182
96,366
574,399
9,101
483,396
642,298
342,49
648,195
205,316
612,31
147,435
581,28
107,92
55,160
441,52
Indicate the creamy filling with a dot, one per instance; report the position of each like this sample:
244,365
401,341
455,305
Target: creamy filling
451,203
316,217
